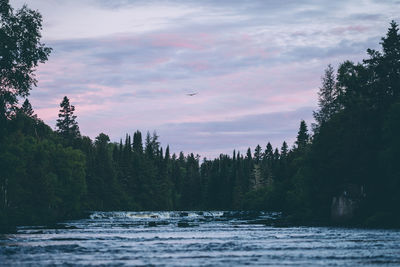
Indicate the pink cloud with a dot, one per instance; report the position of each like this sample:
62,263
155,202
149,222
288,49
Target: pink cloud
197,65
176,41
156,62
191,41
350,29
47,114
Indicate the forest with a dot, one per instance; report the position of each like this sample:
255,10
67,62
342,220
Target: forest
51,175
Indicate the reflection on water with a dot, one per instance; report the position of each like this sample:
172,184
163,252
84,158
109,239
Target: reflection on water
195,238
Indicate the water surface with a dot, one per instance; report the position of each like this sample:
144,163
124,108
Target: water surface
196,239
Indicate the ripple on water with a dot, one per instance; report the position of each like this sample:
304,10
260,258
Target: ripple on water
215,238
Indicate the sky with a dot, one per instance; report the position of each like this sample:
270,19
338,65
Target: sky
256,66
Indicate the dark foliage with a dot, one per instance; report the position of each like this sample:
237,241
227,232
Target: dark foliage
20,53
48,176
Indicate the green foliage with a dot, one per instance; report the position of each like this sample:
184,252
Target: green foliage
303,137
41,181
66,124
20,53
47,176
355,146
27,108
327,99
258,154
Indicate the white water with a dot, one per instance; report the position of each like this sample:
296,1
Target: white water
212,238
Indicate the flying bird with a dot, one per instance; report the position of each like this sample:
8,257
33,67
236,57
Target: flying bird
192,94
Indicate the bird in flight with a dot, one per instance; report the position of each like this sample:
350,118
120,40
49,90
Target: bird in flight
192,94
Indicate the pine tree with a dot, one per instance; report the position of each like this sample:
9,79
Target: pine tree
302,136
284,150
248,154
155,142
66,124
276,155
152,144
127,148
269,153
27,108
391,62
137,142
327,99
167,155
257,154
378,78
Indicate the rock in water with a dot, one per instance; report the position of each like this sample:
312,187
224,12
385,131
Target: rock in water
345,205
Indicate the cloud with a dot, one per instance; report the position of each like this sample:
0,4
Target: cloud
214,137
129,65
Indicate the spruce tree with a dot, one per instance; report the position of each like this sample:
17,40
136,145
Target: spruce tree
257,154
303,137
269,153
167,155
276,155
248,154
284,150
27,108
66,124
137,142
327,99
390,63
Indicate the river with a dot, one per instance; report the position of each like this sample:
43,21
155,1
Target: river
195,239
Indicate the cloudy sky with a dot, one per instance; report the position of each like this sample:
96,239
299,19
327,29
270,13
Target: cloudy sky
256,65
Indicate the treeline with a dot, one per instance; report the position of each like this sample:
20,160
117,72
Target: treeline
352,151
52,175
41,179
138,173
356,138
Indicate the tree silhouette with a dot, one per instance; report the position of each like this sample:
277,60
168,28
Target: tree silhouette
66,124
302,136
27,108
20,53
327,98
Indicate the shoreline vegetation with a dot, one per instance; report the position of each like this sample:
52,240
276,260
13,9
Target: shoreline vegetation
345,171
